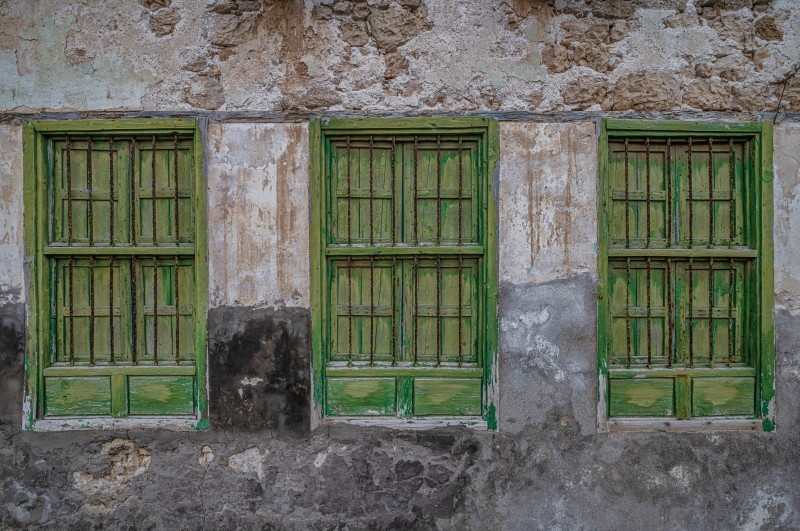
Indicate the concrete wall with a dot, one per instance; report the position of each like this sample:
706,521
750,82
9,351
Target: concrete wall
549,70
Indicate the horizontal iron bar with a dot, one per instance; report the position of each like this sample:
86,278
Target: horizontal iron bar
367,371
683,253
161,250
114,126
678,371
404,251
186,368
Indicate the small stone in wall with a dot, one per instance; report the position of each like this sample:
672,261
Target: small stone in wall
204,92
250,462
163,21
396,64
767,29
585,92
397,25
206,456
707,95
646,91
354,33
556,58
153,5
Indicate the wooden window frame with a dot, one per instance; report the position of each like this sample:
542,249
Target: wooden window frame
36,185
764,340
320,270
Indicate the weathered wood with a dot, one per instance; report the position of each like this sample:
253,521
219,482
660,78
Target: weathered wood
361,396
641,398
161,395
452,396
723,396
77,396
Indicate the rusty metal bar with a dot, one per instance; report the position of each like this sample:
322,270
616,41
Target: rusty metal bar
691,312
349,195
691,195
134,204
416,309
371,310
460,302
91,310
710,192
438,310
153,168
394,220
711,338
460,207
438,192
177,197
627,202
134,311
90,189
647,200
670,314
731,197
668,186
628,313
177,313
111,190
69,193
71,313
111,308
349,310
649,313
394,309
155,309
731,291
371,196
416,186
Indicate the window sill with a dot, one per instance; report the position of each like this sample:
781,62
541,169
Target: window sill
710,424
111,423
418,423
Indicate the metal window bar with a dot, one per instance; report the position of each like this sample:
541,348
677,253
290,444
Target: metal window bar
691,195
349,311
371,310
460,240
670,314
91,310
134,311
628,313
731,292
69,192
460,302
649,313
416,186
668,186
177,197
647,201
438,191
691,313
393,186
71,259
710,192
711,338
177,313
153,208
394,308
111,190
133,186
731,185
438,310
627,203
349,195
111,309
416,309
90,190
155,309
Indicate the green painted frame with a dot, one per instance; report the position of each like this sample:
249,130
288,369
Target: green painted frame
319,269
35,139
761,133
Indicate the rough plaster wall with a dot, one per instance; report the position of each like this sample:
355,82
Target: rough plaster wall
408,55
548,201
787,217
258,215
11,230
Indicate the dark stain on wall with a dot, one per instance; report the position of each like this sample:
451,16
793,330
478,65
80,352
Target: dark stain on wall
259,369
12,350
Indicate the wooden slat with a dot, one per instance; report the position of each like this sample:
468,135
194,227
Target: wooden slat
450,397
77,396
361,396
641,398
723,396
161,395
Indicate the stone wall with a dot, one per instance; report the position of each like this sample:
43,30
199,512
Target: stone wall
256,70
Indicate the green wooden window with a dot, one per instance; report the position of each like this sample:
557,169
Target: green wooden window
115,222
685,321
404,272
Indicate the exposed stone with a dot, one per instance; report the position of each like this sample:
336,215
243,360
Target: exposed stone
596,57
707,95
318,96
198,64
205,92
767,29
322,12
250,462
556,58
585,92
734,28
396,64
753,97
646,91
342,7
232,29
361,11
163,21
729,67
684,19
154,5
397,25
354,33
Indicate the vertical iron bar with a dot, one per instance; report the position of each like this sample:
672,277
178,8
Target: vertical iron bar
91,310
647,199
669,193
349,310
371,196
134,311
731,291
438,310
177,197
69,193
649,313
71,312
460,208
134,204
710,192
90,189
731,185
670,314
711,338
627,202
460,302
155,308
438,193
349,195
177,313
691,312
394,234
416,191
628,313
153,169
394,306
111,308
371,310
111,189
416,309
691,196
